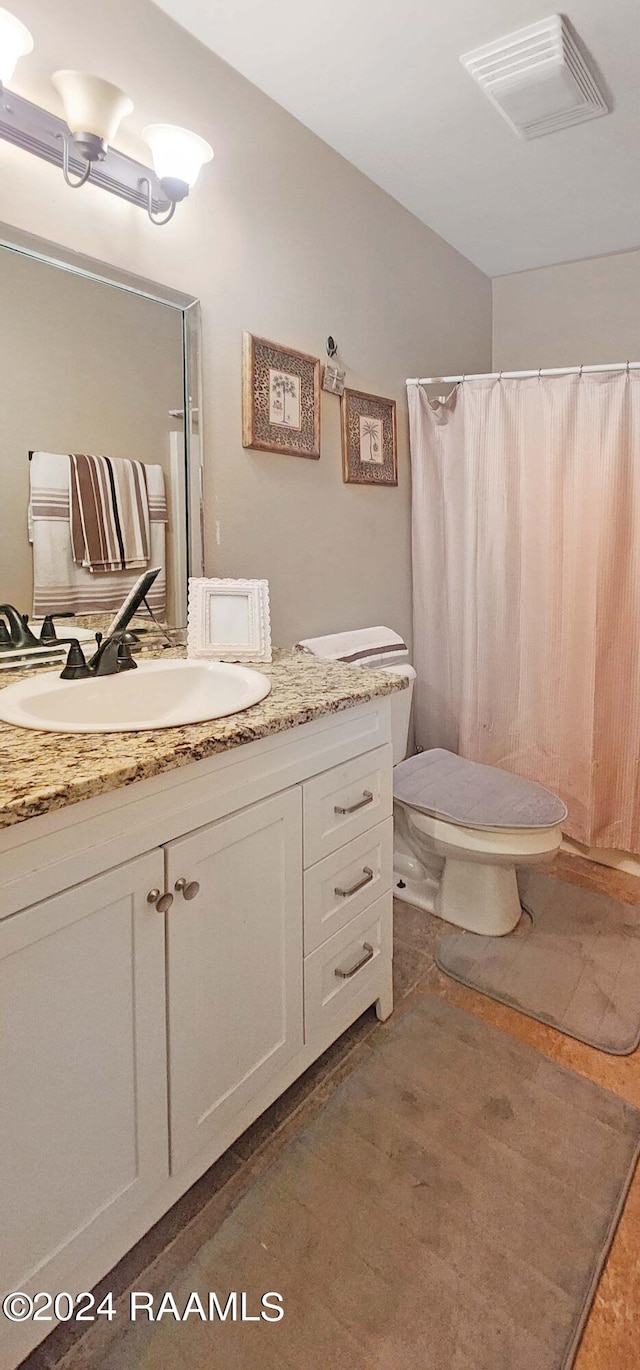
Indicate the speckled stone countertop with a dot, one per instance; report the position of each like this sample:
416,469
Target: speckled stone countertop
42,771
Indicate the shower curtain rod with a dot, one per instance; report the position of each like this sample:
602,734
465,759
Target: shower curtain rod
522,375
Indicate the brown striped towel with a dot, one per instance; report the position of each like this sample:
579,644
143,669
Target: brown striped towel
109,510
58,583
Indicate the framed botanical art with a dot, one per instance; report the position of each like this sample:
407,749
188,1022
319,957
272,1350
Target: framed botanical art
280,399
369,442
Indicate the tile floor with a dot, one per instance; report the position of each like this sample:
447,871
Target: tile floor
612,1334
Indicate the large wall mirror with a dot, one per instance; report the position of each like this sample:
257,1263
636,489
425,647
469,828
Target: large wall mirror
100,436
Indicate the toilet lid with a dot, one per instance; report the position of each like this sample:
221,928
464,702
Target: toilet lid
474,796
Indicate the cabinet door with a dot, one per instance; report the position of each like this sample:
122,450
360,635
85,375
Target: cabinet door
83,1115
235,967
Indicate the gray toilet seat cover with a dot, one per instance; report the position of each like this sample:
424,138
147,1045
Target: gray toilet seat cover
474,796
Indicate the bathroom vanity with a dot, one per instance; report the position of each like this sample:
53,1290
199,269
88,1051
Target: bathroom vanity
174,952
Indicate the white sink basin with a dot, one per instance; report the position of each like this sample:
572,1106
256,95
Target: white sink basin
159,694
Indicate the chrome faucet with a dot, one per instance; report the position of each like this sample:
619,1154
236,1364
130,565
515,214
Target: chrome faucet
113,652
16,635
19,632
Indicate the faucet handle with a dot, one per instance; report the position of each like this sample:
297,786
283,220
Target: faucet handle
76,667
6,644
125,661
18,624
48,630
112,655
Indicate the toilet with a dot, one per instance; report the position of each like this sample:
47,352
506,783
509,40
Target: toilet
460,831
460,828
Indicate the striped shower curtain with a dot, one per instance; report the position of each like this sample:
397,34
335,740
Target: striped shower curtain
526,564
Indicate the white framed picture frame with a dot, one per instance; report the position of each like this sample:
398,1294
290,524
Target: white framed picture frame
228,620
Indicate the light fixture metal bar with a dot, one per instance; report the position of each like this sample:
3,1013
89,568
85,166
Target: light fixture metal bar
36,130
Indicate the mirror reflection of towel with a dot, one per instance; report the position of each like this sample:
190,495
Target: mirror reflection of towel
60,584
109,513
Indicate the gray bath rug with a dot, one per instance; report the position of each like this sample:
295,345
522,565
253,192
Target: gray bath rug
573,962
450,1208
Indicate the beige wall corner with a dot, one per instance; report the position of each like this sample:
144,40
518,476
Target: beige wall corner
563,315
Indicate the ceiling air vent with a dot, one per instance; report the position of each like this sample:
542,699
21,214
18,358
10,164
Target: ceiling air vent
537,78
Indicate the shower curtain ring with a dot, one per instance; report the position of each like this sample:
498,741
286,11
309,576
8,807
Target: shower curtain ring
499,378
539,372
628,367
580,372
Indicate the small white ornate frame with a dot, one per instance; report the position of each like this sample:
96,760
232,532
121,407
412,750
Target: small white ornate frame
250,640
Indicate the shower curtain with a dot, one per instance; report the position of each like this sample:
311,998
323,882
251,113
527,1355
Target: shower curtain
526,564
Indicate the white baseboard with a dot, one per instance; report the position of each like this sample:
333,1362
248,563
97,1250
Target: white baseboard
620,860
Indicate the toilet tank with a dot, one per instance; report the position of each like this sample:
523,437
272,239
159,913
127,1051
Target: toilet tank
372,647
400,710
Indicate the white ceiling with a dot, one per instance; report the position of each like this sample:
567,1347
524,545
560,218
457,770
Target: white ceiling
381,81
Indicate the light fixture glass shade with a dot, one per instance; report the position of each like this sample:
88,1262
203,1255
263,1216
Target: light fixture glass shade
91,105
178,155
15,42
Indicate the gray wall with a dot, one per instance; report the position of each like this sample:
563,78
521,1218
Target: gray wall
586,311
284,238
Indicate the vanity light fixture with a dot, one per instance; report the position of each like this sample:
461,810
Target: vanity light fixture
93,109
15,42
81,144
178,158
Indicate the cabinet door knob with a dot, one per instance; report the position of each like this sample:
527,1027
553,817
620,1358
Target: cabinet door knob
152,896
189,888
163,904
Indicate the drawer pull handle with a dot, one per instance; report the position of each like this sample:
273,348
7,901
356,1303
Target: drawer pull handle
367,877
367,798
346,974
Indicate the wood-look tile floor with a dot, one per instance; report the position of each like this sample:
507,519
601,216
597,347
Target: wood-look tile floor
611,1339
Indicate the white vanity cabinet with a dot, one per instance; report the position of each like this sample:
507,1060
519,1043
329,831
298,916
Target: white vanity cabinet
234,966
173,955
83,1079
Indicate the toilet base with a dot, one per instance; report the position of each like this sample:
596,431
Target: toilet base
480,898
421,893
413,881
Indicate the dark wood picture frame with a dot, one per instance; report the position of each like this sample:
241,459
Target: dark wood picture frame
369,439
280,399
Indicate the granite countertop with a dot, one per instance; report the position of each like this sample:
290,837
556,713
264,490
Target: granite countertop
43,771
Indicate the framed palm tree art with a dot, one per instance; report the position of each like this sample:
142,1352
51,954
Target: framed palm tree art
280,399
369,441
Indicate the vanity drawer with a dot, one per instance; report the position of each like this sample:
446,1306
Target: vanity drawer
345,801
345,966
346,882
